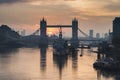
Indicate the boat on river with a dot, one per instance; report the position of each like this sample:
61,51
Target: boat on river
60,46
107,64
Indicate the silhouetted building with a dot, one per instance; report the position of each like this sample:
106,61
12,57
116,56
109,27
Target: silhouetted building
116,27
75,29
23,33
9,37
53,37
116,32
75,33
43,25
105,35
97,35
43,35
91,33
110,36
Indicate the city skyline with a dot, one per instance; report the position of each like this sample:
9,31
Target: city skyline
26,14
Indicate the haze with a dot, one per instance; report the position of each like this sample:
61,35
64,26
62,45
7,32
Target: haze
91,14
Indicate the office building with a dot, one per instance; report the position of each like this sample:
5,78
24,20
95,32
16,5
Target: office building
97,35
90,33
116,27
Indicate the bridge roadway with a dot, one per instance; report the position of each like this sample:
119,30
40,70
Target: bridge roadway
91,40
86,39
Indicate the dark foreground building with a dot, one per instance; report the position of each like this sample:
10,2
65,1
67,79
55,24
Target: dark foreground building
116,32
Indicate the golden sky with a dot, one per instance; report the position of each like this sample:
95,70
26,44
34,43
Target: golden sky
91,14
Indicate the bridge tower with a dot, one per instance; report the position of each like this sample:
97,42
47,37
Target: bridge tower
43,36
74,40
43,25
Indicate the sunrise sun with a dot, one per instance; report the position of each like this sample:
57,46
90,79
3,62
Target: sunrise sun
51,31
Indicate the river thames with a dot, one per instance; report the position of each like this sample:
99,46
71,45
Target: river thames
40,64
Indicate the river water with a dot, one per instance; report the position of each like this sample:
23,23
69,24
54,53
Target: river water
40,64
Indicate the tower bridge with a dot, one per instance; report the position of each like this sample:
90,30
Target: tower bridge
74,40
44,26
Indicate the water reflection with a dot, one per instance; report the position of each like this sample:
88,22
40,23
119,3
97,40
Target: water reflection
6,60
6,53
60,62
43,58
117,77
108,74
40,64
82,52
8,50
74,60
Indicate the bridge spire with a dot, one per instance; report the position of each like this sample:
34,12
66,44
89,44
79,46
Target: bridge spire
43,19
75,19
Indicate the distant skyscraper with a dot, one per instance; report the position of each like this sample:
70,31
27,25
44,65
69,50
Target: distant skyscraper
91,33
23,33
97,35
116,27
105,35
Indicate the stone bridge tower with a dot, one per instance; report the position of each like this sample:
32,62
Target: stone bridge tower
43,35
74,40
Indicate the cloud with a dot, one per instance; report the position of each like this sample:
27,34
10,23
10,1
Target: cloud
14,1
60,11
114,6
11,1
